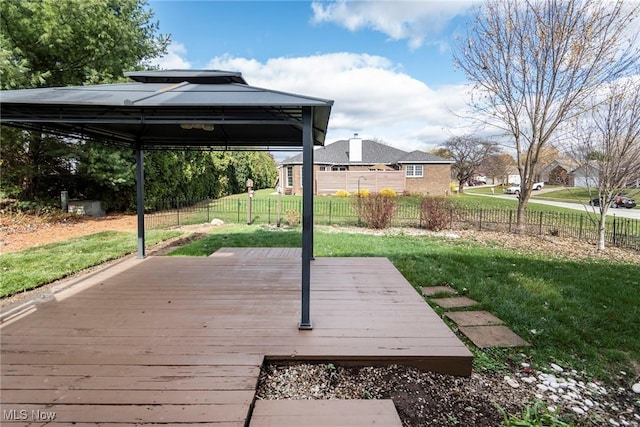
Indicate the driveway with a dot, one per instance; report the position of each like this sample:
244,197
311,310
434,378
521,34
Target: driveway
620,212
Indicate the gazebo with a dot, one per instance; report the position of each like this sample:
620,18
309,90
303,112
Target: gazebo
182,110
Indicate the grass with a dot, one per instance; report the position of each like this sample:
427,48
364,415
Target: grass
579,195
328,210
576,195
583,315
33,267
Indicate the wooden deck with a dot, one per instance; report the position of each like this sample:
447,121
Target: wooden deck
181,340
325,413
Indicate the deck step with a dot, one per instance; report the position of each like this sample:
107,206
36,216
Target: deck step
325,413
435,290
455,302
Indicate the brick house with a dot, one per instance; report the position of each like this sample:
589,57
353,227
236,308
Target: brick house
365,164
558,172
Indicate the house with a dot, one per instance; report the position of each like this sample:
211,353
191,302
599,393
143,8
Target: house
587,175
558,172
513,175
368,165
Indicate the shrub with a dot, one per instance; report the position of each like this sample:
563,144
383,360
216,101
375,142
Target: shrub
376,211
342,193
29,207
435,213
293,217
388,192
362,193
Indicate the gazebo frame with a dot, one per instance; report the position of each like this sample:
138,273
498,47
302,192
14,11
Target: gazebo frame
180,110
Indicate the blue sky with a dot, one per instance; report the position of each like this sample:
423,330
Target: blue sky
386,64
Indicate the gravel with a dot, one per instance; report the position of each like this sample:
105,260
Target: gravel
430,399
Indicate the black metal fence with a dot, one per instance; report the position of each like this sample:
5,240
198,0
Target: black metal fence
621,232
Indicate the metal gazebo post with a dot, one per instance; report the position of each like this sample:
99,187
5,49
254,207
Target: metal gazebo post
307,215
140,197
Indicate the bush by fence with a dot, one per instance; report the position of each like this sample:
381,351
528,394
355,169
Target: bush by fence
620,232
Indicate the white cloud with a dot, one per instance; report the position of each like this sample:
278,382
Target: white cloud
174,59
410,20
372,96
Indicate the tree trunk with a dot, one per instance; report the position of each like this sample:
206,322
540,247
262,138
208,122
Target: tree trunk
460,187
602,228
521,218
32,164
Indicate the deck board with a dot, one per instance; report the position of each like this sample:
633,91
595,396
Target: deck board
181,340
325,413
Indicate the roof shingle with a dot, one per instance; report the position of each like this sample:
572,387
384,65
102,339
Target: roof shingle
337,153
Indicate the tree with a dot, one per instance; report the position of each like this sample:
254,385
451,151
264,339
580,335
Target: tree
62,43
497,167
468,152
441,152
607,141
71,42
536,63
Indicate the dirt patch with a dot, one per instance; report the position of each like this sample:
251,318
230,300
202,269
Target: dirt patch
176,243
20,232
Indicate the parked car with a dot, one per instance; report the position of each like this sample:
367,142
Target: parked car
515,189
621,201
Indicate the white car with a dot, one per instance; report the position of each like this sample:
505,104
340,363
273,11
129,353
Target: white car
515,189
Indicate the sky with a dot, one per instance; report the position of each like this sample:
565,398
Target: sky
387,65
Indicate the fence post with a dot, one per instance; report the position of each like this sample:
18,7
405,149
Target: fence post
238,211
269,211
580,230
540,229
330,210
178,210
614,229
208,210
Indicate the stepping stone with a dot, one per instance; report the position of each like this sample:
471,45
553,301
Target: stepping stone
455,302
492,336
473,318
433,290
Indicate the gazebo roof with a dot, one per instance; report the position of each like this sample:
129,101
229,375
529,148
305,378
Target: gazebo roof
170,109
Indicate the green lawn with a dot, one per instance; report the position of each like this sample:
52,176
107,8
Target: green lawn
560,194
33,267
579,314
339,210
580,195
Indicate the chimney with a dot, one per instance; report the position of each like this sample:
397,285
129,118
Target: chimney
355,149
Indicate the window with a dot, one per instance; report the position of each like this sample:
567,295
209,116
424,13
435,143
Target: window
289,176
338,168
414,171
323,168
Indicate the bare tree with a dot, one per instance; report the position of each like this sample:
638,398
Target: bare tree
497,166
468,152
535,63
608,144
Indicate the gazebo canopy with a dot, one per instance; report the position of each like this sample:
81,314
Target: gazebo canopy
177,110
170,109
